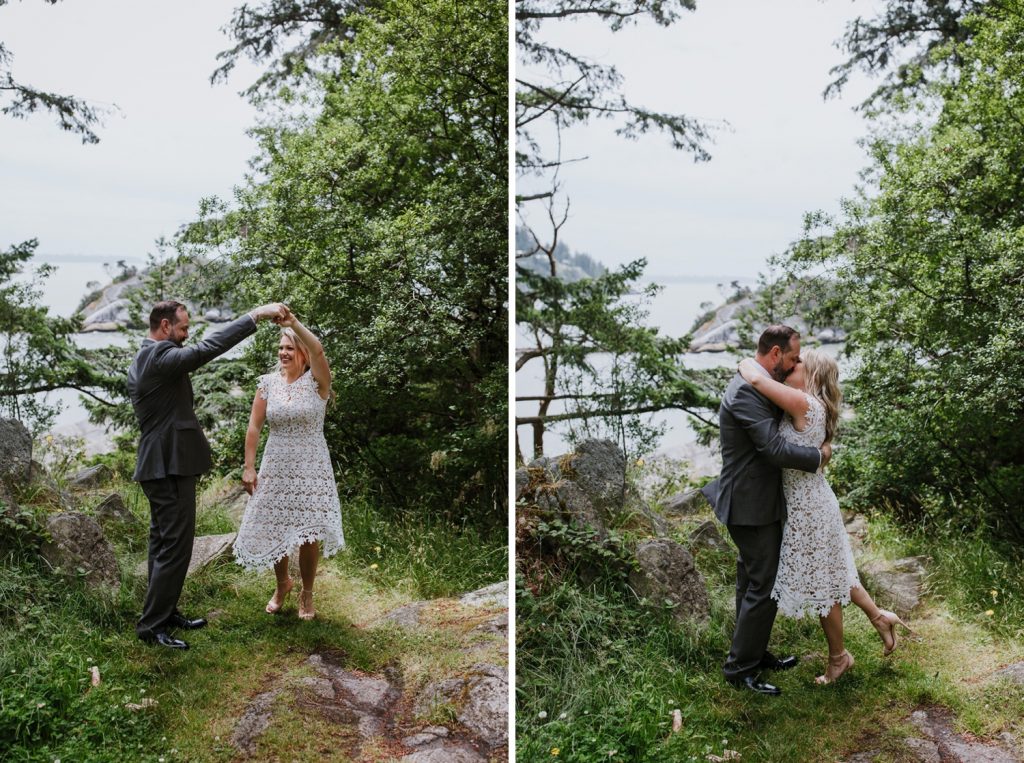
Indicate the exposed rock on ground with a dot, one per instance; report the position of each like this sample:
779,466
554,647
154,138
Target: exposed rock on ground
461,716
78,544
707,535
667,574
15,452
90,476
898,583
205,550
686,503
480,700
112,511
939,742
254,721
494,595
364,702
1013,673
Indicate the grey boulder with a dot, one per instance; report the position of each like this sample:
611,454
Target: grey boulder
667,575
15,452
77,544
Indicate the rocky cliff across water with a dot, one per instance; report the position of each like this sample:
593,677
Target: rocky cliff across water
731,327
110,309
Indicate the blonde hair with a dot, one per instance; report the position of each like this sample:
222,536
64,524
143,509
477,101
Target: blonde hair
299,345
821,379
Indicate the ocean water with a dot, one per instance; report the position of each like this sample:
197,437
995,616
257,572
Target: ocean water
673,311
73,278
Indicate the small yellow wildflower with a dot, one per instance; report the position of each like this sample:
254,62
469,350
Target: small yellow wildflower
989,612
373,566
376,550
639,462
555,751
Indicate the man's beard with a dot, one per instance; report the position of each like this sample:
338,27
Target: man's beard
779,375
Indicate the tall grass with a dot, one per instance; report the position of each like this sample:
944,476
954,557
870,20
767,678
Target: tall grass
599,676
54,629
423,554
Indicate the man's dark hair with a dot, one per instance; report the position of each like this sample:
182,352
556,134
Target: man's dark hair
167,309
775,336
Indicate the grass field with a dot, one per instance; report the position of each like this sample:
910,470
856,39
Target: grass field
598,677
53,630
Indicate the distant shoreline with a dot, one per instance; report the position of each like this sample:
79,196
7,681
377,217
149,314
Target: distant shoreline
92,259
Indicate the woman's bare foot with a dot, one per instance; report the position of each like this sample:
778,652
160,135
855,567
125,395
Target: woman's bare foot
837,665
277,600
306,611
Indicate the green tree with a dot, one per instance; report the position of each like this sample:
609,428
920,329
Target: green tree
586,339
910,43
37,352
19,100
380,216
931,269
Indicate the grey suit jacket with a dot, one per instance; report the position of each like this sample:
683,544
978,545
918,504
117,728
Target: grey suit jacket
749,489
171,441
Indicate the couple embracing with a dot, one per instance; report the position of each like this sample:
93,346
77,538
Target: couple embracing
293,504
777,419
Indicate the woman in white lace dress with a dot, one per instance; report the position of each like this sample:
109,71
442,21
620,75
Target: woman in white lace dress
293,504
817,574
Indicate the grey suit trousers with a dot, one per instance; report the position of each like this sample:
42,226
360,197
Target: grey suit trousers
172,524
756,568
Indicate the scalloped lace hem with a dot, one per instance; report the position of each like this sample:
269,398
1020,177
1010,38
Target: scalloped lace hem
794,605
333,543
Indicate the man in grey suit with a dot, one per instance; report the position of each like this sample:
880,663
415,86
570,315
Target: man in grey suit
173,452
748,499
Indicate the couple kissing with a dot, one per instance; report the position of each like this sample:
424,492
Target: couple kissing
777,419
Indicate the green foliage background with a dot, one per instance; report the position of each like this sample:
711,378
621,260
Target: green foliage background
930,273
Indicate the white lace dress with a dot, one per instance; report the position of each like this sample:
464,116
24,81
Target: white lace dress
296,498
816,567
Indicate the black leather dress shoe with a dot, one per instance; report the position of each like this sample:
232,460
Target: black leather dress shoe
755,684
179,620
771,662
163,638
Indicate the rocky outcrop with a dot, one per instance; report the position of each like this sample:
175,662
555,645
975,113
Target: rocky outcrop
479,699
111,512
77,546
666,575
725,328
111,309
15,452
90,476
686,503
897,583
588,489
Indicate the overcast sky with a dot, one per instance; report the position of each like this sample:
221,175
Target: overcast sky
761,66
175,139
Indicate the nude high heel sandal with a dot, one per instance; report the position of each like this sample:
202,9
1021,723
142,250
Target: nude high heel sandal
885,622
274,607
838,664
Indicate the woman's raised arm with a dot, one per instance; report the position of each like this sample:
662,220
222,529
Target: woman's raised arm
791,400
317,359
